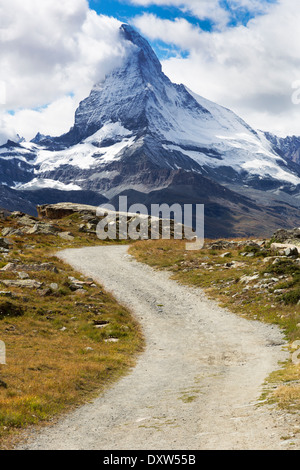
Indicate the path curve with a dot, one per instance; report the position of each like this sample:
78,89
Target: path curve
196,385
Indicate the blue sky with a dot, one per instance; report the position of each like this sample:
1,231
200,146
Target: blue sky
126,11
242,54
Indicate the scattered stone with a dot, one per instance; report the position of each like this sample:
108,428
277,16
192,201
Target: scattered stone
112,340
9,267
80,292
82,228
221,244
15,267
26,283
66,236
8,231
45,292
260,243
16,214
291,252
5,293
284,248
92,227
278,259
247,279
26,220
23,275
226,255
75,284
268,259
229,265
100,323
42,228
54,286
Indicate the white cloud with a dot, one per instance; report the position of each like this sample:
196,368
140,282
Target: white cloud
7,132
200,8
214,10
249,69
50,49
53,51
54,119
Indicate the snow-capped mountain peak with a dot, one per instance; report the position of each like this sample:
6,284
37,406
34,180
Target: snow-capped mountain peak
137,127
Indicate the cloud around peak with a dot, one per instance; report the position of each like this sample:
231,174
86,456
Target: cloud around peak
248,68
52,51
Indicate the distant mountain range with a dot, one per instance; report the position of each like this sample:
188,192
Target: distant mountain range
141,135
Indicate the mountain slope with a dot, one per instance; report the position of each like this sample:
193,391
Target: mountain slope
137,129
136,114
288,147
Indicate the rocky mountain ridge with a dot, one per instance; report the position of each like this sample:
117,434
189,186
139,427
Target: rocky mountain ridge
140,134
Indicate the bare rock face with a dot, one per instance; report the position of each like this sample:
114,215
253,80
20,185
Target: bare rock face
90,216
45,229
286,249
285,236
22,283
32,267
66,236
61,210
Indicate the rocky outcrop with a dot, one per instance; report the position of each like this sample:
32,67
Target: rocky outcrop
286,249
287,236
61,210
22,283
90,216
32,267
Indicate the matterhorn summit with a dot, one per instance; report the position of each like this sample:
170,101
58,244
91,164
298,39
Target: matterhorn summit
140,134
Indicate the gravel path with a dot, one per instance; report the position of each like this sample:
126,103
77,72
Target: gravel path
197,384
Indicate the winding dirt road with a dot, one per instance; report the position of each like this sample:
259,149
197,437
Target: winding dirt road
198,382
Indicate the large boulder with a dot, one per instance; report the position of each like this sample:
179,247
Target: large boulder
64,209
282,235
286,249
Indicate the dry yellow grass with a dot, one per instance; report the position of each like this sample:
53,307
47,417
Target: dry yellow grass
223,284
57,357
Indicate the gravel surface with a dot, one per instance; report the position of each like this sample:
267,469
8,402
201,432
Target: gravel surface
198,382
